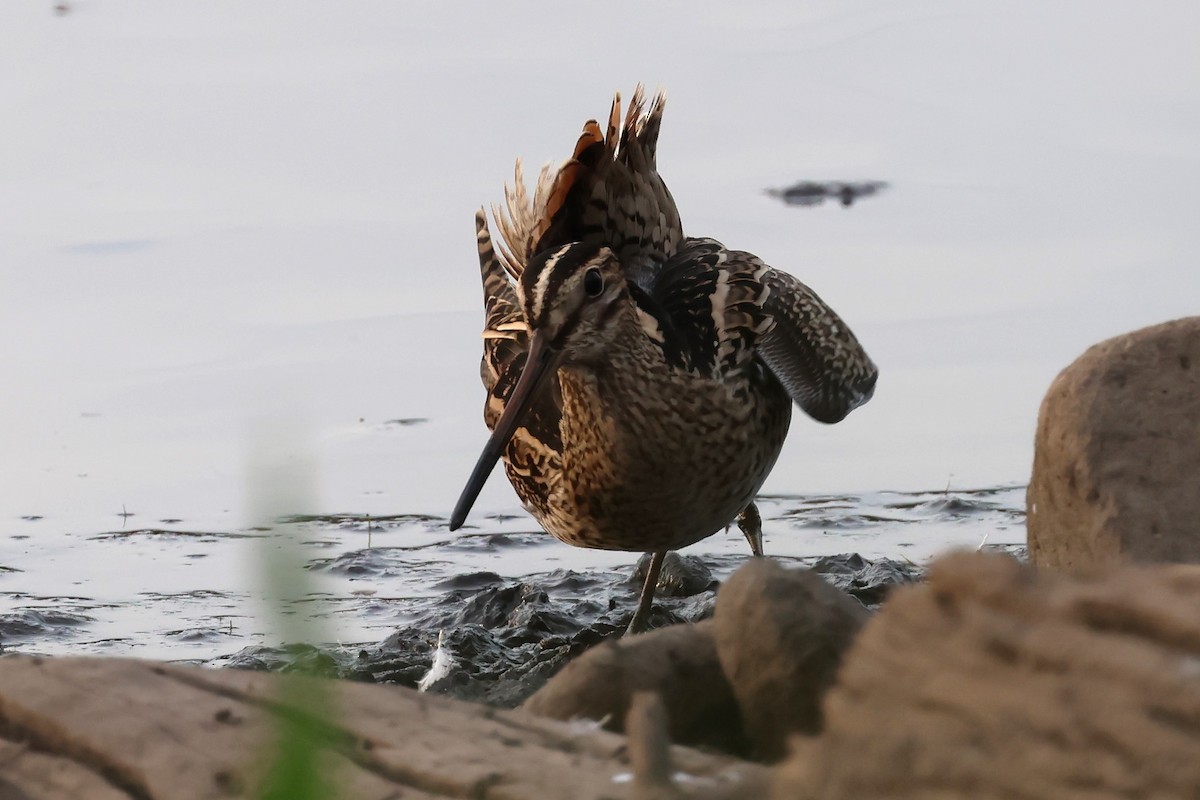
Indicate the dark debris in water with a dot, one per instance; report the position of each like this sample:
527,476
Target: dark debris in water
360,521
170,534
375,561
814,193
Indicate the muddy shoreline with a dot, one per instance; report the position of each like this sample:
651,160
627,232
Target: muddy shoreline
374,592
496,640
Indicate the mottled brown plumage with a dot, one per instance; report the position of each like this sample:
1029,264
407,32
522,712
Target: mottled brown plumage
640,382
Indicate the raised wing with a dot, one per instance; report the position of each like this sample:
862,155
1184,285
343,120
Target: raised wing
709,303
813,352
720,310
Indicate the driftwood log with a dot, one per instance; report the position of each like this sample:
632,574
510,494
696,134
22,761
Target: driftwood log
111,728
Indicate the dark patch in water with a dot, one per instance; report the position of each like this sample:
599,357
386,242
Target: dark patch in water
486,542
31,517
501,517
372,561
193,635
819,518
361,522
169,534
949,505
29,623
115,641
191,594
814,193
406,422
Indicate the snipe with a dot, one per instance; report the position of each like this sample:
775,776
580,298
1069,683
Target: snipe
640,382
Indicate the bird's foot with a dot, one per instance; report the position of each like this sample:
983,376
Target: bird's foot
749,522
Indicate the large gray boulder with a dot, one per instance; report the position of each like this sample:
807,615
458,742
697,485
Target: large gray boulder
1116,470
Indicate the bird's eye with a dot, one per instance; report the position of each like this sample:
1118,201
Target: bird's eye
593,282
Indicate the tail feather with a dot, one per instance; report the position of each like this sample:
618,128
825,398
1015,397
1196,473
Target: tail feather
505,333
609,192
614,124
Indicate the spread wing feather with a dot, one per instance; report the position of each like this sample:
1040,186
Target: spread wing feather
813,352
718,310
724,309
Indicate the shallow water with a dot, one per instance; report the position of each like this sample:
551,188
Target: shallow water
238,282
176,592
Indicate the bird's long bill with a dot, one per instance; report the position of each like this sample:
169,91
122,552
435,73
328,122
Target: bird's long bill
539,365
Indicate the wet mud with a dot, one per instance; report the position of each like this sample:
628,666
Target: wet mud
497,641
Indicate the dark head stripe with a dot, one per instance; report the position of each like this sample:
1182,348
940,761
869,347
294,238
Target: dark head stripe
545,274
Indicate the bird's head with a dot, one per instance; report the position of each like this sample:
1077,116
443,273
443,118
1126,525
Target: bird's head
571,297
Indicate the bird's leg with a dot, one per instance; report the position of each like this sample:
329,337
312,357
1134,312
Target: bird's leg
642,616
749,522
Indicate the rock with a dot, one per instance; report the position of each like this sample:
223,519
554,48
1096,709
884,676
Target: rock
678,663
681,576
114,728
868,580
1117,457
780,635
995,680
34,775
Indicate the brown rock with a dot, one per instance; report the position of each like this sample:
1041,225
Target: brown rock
28,774
780,637
108,728
994,680
678,663
1116,470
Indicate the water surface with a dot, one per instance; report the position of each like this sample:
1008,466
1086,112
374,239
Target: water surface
236,240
